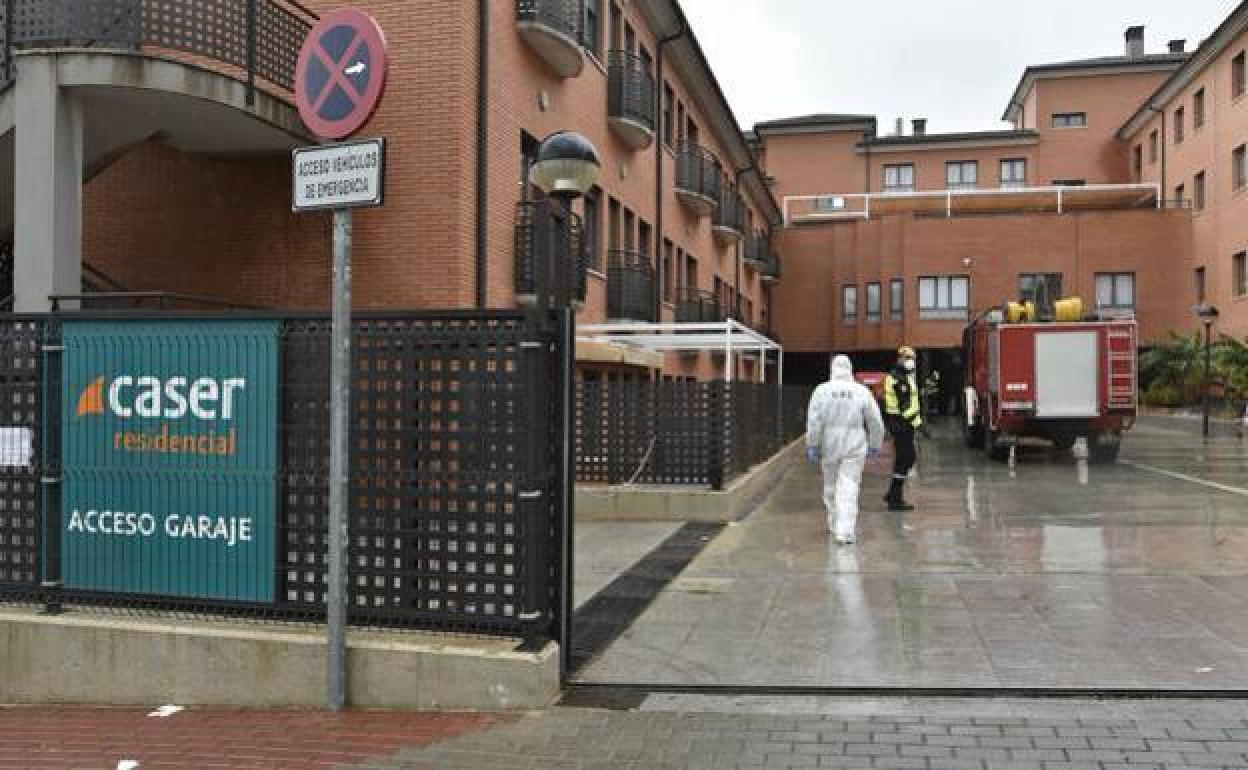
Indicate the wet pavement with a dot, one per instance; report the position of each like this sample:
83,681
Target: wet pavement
1047,574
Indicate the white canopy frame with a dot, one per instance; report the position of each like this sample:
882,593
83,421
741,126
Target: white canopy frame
733,338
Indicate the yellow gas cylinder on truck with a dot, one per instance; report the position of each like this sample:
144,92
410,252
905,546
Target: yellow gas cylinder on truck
1020,312
1069,309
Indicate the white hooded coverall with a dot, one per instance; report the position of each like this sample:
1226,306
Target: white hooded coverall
843,420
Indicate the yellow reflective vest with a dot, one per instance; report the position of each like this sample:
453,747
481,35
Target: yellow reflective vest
901,399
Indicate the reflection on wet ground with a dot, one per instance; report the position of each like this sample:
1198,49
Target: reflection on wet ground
1049,573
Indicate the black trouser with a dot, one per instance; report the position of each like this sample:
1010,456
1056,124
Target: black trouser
903,447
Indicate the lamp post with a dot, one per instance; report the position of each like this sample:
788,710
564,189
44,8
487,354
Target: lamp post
566,168
1207,314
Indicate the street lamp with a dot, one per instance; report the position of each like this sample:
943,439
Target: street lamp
566,168
1207,314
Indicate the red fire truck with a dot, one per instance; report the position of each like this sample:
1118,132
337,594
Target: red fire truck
1060,380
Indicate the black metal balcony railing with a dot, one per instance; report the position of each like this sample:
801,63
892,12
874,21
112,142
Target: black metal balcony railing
757,250
698,171
630,286
698,306
731,212
261,38
771,268
540,227
630,89
562,16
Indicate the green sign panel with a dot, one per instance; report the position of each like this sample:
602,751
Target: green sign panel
169,450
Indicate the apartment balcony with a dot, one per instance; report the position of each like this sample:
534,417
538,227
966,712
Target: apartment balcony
770,270
757,250
630,287
630,99
699,178
728,224
542,227
552,28
698,306
814,209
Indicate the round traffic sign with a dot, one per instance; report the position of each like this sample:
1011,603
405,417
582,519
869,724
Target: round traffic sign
341,73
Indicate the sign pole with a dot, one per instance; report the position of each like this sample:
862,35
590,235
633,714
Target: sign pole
339,408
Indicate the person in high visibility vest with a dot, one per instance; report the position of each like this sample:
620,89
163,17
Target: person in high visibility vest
903,416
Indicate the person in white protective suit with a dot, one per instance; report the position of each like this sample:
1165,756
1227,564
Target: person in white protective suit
843,427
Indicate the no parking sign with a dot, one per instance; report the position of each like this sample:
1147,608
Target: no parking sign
341,73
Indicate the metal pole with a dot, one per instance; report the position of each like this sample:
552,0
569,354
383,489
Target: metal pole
339,406
1204,399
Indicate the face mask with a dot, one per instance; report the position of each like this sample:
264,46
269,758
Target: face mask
908,364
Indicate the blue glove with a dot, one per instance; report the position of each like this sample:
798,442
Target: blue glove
812,454
872,454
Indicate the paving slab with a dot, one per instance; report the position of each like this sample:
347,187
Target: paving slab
1049,573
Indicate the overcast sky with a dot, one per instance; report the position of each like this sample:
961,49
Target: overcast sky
955,62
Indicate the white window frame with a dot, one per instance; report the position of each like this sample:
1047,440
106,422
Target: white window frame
899,173
937,298
956,175
849,304
896,299
875,302
1070,120
1118,303
1009,179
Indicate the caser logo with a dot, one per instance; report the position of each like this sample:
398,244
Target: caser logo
174,398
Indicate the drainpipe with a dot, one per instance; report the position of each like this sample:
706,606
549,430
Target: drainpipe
483,143
1162,113
658,164
741,172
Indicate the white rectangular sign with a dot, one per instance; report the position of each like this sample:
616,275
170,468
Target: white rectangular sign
335,176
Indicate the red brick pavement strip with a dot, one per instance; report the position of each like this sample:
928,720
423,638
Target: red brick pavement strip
98,738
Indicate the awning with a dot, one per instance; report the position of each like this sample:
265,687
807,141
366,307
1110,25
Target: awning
731,338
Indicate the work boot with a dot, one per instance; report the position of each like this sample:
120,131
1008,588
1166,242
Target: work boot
895,498
899,506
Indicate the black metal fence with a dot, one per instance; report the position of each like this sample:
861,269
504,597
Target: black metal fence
698,171
681,432
630,89
261,38
698,306
630,286
454,504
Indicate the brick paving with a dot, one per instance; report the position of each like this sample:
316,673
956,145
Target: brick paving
204,739
570,739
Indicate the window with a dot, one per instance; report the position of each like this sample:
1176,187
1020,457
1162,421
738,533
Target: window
1180,193
944,298
717,291
691,272
1237,76
617,27
1115,293
899,178
896,299
680,122
1198,191
1032,285
668,100
630,230
1070,119
849,304
591,28
1178,125
1237,168
1239,274
1069,182
1137,162
1198,109
669,265
592,229
961,175
1198,276
1152,147
613,225
643,238
1014,172
826,203
873,303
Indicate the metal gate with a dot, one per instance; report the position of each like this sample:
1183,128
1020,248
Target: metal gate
125,475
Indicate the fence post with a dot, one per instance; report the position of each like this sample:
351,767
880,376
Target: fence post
717,421
251,53
51,356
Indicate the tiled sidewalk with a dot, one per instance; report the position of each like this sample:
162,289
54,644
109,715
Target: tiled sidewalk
565,739
99,739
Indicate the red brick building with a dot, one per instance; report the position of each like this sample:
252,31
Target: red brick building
1121,180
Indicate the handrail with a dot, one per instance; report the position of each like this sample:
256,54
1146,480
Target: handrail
161,296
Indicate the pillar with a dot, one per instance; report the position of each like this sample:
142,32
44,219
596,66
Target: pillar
47,208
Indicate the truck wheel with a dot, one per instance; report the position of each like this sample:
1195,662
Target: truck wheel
1064,441
996,452
1103,453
